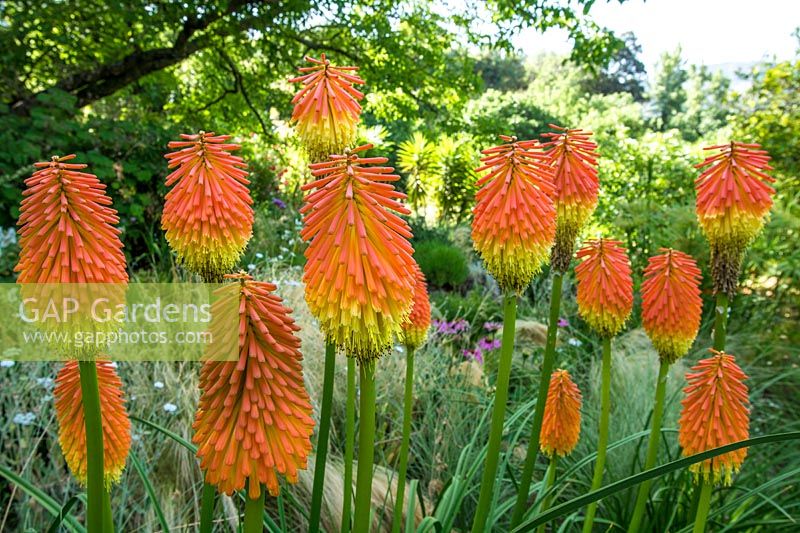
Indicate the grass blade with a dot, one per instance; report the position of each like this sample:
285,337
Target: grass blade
151,493
64,513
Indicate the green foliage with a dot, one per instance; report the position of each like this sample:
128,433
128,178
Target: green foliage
456,193
668,94
624,73
443,264
418,159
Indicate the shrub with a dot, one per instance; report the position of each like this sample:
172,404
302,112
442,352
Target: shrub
444,265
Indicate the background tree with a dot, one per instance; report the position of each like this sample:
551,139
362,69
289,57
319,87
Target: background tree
625,72
668,95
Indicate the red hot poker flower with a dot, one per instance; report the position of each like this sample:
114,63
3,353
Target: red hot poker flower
359,272
561,425
715,413
254,420
605,287
515,219
671,303
415,329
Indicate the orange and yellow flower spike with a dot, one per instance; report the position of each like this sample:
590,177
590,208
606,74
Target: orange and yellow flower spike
326,109
515,218
67,232
72,427
415,329
671,303
207,216
562,416
733,202
605,287
254,420
573,157
715,413
359,272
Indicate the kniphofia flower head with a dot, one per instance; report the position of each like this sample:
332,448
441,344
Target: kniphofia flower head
207,216
715,413
573,157
67,228
71,424
326,108
359,272
415,328
733,201
515,218
605,287
254,420
671,303
561,425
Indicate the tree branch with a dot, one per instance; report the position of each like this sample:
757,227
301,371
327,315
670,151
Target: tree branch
240,84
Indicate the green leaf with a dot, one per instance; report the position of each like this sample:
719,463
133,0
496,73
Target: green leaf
64,513
151,493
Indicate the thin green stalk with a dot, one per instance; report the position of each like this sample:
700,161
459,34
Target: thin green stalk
549,481
720,321
602,440
498,414
523,492
95,484
652,447
254,513
108,518
322,438
406,441
703,504
209,497
366,447
349,444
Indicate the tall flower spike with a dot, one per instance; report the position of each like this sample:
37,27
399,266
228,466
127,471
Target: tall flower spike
561,426
254,420
72,427
605,287
415,329
207,216
67,232
715,413
515,219
733,202
359,272
574,160
671,303
326,109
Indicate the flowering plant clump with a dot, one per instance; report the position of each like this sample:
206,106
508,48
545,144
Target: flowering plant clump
326,109
733,201
254,417
454,327
561,426
515,218
415,329
359,273
715,413
573,157
72,425
671,303
207,216
605,287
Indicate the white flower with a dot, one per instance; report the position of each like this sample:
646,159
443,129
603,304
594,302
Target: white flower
251,266
7,364
574,342
47,383
158,385
170,407
399,349
24,419
259,255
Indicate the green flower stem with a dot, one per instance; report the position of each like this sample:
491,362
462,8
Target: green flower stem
702,507
254,513
602,440
349,445
720,321
322,438
209,497
366,447
498,413
405,443
95,483
108,518
550,479
544,383
652,447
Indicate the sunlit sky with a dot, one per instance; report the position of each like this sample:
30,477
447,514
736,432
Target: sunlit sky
709,32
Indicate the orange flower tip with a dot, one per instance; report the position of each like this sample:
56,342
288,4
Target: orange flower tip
605,286
514,223
561,426
71,423
359,273
671,303
208,214
254,419
719,382
326,109
415,328
67,228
